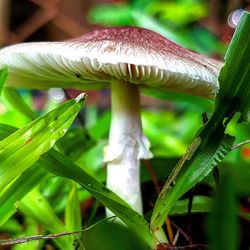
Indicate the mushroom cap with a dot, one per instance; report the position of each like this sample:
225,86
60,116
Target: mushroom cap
135,55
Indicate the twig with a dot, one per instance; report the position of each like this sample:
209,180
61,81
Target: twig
36,237
20,240
180,230
188,247
240,144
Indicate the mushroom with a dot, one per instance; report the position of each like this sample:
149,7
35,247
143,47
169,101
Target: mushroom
124,57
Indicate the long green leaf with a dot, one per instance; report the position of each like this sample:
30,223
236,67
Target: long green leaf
61,165
3,76
31,228
24,147
73,214
19,188
73,219
17,101
36,206
223,224
211,143
200,204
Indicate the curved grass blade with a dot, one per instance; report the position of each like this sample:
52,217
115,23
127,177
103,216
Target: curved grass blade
24,147
61,165
19,188
16,100
211,143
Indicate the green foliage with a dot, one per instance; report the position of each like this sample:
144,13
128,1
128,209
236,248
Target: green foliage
48,187
15,99
211,143
179,12
18,189
24,147
223,228
119,14
35,205
60,165
112,236
3,76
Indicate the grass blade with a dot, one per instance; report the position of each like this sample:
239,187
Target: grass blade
24,147
73,214
223,228
34,205
3,76
17,101
61,165
19,188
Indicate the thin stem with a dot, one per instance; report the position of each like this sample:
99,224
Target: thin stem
127,144
240,144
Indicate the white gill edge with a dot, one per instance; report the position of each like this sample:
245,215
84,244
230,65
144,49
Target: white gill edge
64,59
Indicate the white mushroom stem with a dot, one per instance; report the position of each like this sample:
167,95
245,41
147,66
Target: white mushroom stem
127,144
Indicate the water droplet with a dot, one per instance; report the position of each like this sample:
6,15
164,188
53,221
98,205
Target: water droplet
56,95
234,18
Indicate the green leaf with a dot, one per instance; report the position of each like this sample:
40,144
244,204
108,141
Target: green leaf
211,143
73,214
17,101
111,236
197,163
30,228
223,222
112,14
3,76
24,147
12,226
236,72
60,165
200,204
6,130
19,188
34,205
73,219
189,100
75,136
180,13
141,19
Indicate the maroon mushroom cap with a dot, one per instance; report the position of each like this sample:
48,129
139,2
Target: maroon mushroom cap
132,54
